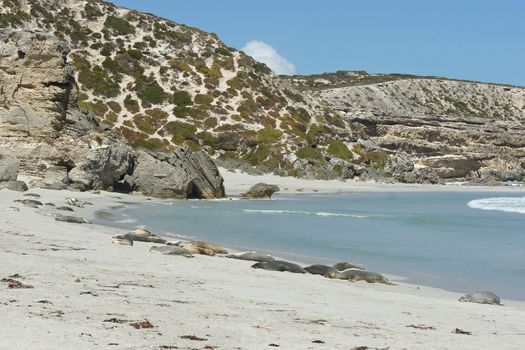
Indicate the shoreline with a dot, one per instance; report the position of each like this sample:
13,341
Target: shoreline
221,300
237,182
295,257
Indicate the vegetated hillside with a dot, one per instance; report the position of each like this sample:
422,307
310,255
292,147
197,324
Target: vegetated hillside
458,129
161,84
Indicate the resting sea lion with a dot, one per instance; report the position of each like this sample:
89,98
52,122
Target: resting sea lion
344,265
195,248
170,250
323,270
481,298
213,247
151,238
252,256
279,265
124,241
360,275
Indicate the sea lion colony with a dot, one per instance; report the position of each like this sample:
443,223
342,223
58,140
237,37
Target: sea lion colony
341,270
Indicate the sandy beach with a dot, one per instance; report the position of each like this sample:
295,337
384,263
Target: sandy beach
238,182
86,292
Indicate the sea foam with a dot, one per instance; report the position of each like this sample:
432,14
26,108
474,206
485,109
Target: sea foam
297,212
508,204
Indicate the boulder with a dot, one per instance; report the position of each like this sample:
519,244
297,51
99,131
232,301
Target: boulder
183,174
9,169
260,190
18,186
103,168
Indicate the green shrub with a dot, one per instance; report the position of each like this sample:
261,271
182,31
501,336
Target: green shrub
119,26
107,49
181,111
223,51
261,68
179,65
152,144
131,104
182,98
203,99
151,93
98,108
309,153
258,156
269,135
92,12
136,54
115,106
338,149
111,118
179,131
375,158
210,123
98,80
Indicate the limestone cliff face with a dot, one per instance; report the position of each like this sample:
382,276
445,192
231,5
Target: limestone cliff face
60,146
459,129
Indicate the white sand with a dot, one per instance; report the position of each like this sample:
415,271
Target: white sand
81,279
237,182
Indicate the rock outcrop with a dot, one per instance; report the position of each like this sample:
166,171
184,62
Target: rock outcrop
260,190
454,129
9,168
59,146
183,174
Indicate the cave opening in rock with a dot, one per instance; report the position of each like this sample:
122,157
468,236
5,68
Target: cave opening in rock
193,191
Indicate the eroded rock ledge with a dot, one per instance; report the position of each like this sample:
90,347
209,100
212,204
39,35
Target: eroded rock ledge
59,146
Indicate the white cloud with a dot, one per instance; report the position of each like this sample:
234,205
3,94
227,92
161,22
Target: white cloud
265,53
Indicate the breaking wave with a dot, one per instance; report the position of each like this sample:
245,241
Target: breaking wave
507,204
297,212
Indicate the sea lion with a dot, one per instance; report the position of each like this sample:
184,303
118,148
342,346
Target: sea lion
29,202
150,238
170,250
72,219
210,246
203,246
323,270
123,241
485,297
279,265
195,248
252,256
142,232
344,265
64,208
360,275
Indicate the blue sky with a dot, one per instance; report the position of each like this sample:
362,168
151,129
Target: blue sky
465,39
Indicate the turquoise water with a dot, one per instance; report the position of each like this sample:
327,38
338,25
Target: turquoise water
457,241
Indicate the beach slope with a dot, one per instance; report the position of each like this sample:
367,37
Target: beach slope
66,286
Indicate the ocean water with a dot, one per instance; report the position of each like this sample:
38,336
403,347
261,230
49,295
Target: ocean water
457,241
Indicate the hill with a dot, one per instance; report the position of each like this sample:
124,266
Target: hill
161,84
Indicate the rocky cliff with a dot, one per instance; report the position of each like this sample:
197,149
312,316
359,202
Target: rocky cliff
161,85
59,146
457,129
